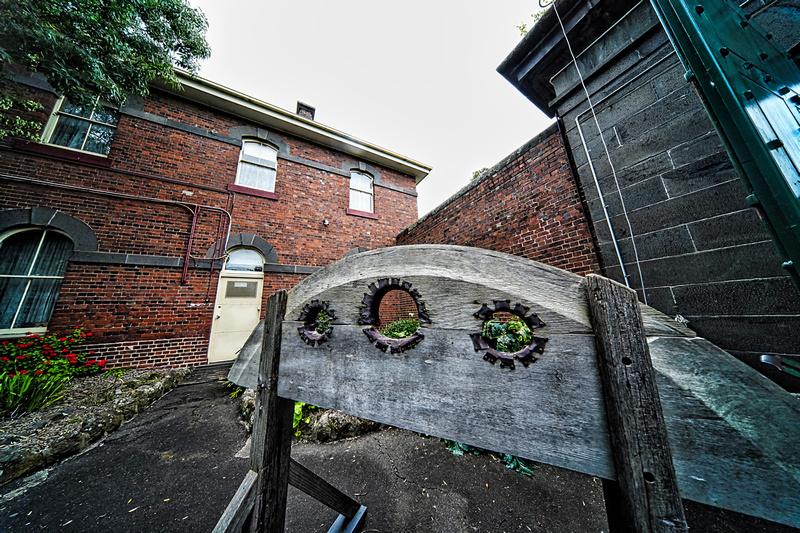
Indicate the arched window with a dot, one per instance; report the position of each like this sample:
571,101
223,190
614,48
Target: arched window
361,191
32,265
244,260
258,163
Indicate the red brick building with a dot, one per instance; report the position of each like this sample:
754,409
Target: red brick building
164,223
529,205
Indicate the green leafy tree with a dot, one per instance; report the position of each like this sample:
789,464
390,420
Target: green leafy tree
93,48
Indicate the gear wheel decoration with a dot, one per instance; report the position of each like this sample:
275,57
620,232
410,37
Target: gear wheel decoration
369,315
509,341
316,318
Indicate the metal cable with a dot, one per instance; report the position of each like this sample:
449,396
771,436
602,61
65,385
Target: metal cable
608,157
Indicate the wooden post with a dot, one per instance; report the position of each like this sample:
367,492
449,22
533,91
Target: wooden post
648,487
272,429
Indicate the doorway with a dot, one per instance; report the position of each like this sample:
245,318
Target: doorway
237,309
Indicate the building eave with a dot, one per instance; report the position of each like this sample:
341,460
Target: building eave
224,99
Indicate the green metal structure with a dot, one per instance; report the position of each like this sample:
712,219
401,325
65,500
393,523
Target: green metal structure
751,90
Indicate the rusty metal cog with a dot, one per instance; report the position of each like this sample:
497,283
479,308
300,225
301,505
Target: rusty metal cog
370,315
488,343
313,322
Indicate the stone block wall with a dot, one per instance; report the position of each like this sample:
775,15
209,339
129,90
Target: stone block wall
701,251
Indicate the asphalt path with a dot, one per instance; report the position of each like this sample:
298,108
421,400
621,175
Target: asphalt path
175,466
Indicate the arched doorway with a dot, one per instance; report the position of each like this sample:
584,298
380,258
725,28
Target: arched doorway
237,309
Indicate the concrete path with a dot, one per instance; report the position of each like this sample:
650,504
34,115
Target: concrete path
174,467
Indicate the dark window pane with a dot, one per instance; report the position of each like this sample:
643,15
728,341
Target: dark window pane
106,115
74,109
99,140
11,290
17,252
70,132
52,259
38,304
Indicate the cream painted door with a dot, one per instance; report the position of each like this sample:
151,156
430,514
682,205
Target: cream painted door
236,312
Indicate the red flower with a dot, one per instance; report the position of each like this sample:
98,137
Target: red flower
62,339
38,372
89,334
23,371
101,363
11,376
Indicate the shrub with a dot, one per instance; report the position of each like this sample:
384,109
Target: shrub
35,369
400,329
508,337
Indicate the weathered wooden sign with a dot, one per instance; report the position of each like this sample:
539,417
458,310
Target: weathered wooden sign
732,433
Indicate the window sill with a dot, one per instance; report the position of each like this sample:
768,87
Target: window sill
60,152
252,192
22,332
364,214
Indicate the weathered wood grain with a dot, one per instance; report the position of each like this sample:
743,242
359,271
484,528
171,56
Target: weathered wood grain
733,433
310,483
272,429
649,496
658,324
551,411
494,273
240,508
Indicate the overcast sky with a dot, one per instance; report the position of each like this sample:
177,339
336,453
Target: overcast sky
415,77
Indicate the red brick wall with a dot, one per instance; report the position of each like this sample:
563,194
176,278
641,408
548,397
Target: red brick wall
527,205
396,305
131,309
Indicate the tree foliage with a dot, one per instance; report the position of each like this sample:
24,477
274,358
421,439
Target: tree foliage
91,48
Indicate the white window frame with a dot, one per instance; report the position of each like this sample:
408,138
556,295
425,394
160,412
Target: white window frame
57,113
370,190
268,164
16,332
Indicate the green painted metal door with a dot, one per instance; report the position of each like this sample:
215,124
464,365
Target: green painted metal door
751,90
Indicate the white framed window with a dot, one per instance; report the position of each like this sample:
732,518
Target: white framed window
244,260
258,163
361,194
84,128
32,265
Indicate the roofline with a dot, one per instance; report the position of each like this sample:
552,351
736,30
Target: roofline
222,98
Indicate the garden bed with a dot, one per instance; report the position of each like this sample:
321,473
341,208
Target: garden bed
91,407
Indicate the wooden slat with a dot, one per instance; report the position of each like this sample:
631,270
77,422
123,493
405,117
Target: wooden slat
240,507
493,275
649,497
307,481
733,433
658,324
551,411
272,429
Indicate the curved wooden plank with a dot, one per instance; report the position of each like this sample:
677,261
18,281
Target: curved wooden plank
538,285
733,433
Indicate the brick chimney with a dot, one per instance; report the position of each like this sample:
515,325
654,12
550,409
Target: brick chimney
305,110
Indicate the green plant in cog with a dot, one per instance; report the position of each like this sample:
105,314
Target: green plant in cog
400,329
508,337
322,322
